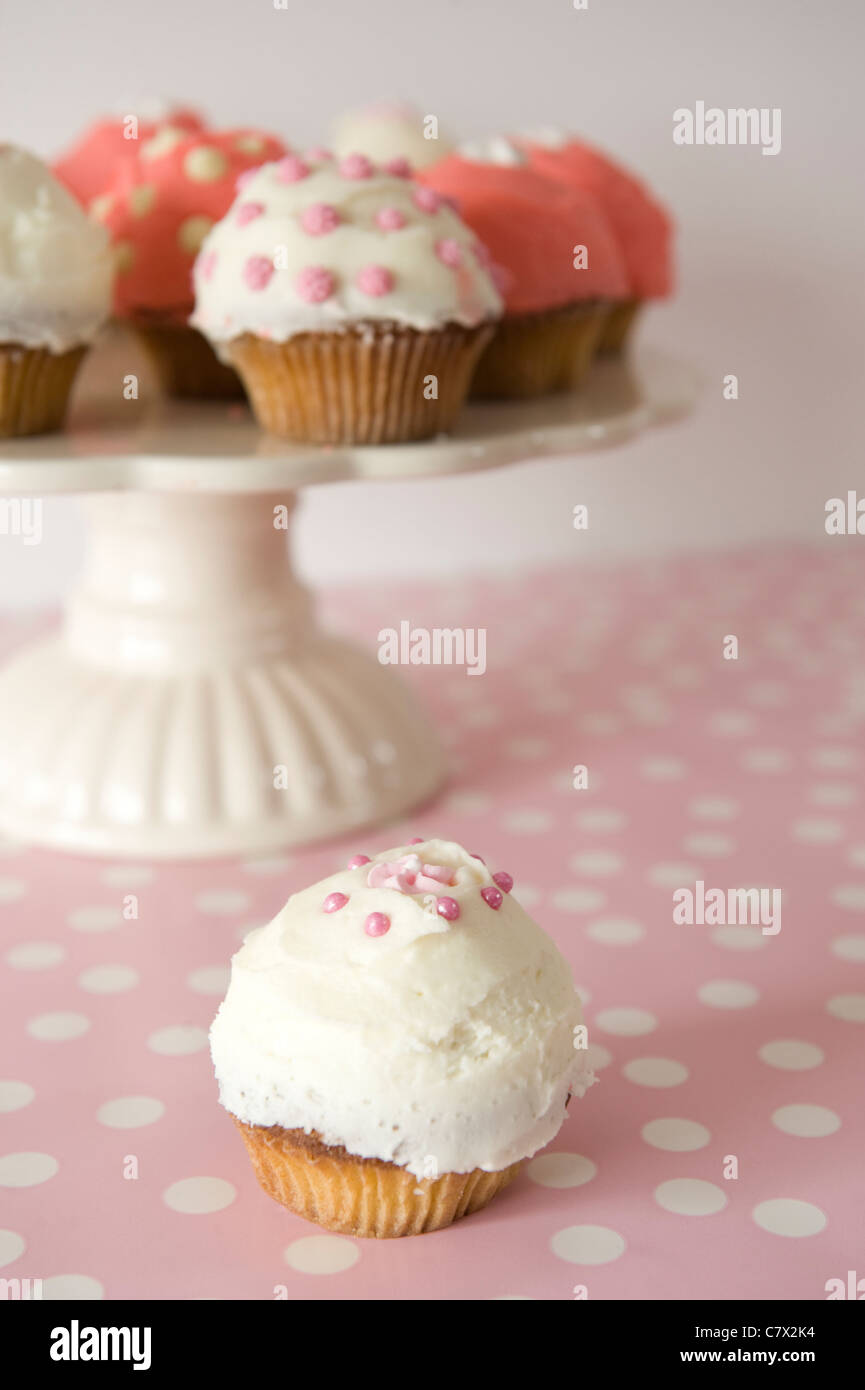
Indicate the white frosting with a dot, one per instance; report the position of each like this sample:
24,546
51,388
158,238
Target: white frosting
426,291
494,150
389,131
549,137
440,1046
55,264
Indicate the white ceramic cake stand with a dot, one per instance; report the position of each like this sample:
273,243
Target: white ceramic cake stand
190,706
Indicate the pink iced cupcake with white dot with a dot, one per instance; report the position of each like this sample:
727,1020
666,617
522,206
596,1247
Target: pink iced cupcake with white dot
397,1041
353,303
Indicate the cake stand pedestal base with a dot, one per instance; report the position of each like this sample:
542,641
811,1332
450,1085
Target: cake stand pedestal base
191,707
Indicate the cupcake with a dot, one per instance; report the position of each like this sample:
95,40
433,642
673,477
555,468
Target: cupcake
353,303
397,1041
55,292
557,264
388,131
89,165
643,230
158,208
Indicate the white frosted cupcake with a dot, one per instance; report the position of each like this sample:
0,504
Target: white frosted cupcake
391,130
55,286
353,303
397,1041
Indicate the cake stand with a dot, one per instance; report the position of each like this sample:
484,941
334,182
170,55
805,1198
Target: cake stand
190,705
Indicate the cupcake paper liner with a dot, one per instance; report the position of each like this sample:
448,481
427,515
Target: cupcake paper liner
362,1196
35,385
367,385
618,326
186,365
533,354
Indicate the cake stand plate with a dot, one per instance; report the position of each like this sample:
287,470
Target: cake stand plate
190,706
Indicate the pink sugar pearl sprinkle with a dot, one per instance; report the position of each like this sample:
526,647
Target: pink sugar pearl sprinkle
426,199
448,908
334,901
314,284
206,265
243,179
505,881
319,218
358,860
492,897
291,169
376,924
356,166
389,219
374,280
418,840
399,168
449,252
247,212
257,272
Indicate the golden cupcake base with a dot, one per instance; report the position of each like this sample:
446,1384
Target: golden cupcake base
535,354
363,1197
618,326
35,385
184,362
376,383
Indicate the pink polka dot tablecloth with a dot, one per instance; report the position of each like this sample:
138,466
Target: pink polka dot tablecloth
721,1154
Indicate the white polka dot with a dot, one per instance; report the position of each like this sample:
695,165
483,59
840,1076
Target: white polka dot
712,844
130,1112
675,1135
690,1197
36,955
128,876
177,1041
656,1072
60,1287
100,918
587,1245
199,1196
850,896
714,808
663,769
321,1254
11,1246
466,803
856,856
108,979
673,875
577,899
850,1008
834,759
222,904
728,994
767,694
850,948
626,1022
598,1056
601,819
480,716
834,794
817,830
268,868
14,1095
765,760
58,1027
527,822
731,723
806,1121
204,163
616,931
26,1169
600,723
561,1170
527,749
787,1216
790,1054
597,863
735,938
12,889
209,979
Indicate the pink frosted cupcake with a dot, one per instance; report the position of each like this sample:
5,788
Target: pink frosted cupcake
643,230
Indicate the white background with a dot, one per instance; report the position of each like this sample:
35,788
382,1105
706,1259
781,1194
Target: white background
770,249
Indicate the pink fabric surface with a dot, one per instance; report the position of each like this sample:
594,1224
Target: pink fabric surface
737,772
